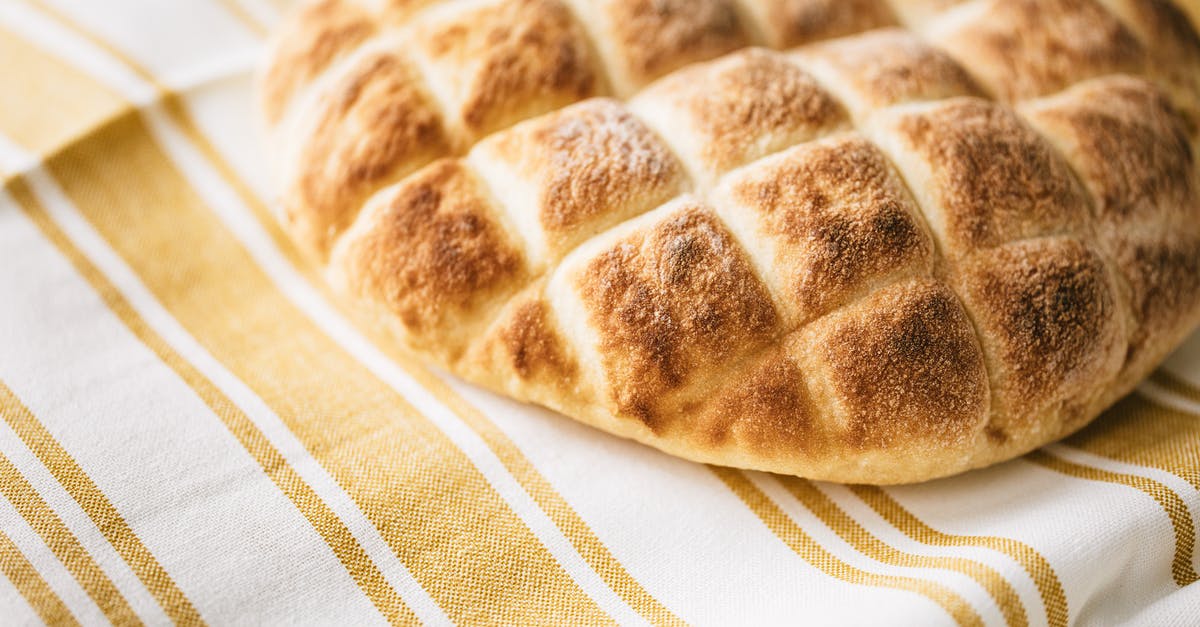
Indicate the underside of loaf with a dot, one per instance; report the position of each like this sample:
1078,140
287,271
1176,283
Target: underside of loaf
862,241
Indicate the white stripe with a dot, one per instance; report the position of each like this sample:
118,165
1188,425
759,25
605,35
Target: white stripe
260,10
239,219
184,42
13,159
1184,490
44,33
96,249
1158,394
14,607
823,535
77,521
1097,536
194,496
678,530
60,580
1007,567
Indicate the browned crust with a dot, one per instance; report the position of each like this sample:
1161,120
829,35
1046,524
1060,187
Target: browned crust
789,23
1130,146
892,66
902,368
591,166
433,254
375,125
805,325
315,36
655,37
1010,49
993,178
509,61
767,412
1048,317
839,219
670,304
746,105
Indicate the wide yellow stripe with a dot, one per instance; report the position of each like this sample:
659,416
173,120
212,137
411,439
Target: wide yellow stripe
45,103
1138,430
1177,510
1039,568
97,506
564,516
331,528
65,546
868,544
462,542
808,549
29,582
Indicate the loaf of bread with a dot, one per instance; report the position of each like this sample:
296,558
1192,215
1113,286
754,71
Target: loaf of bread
871,241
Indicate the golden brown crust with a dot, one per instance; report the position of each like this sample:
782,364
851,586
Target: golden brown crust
645,39
739,108
838,219
901,369
988,177
670,304
525,352
317,35
889,67
789,23
1047,314
1163,275
1130,147
1009,48
507,61
587,167
768,413
873,274
432,252
373,126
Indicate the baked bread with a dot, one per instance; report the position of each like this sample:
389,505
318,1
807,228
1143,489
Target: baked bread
872,241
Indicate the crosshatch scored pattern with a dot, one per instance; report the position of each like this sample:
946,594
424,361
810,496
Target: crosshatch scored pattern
861,241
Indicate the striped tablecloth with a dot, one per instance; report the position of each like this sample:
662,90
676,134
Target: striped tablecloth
193,432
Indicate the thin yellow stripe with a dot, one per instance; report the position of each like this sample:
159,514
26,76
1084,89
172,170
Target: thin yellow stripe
564,516
795,538
868,544
249,21
1142,431
29,582
97,506
1038,567
411,481
1185,533
61,541
335,533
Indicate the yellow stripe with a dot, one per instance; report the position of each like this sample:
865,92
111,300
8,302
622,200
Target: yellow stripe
97,506
36,83
1039,568
29,582
866,543
564,516
1185,533
410,480
1139,430
249,21
795,538
62,542
324,521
